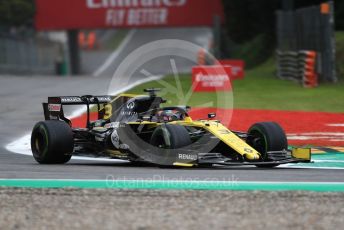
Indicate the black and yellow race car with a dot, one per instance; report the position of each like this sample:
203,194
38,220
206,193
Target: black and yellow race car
138,128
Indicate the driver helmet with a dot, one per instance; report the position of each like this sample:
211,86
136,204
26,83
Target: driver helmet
168,115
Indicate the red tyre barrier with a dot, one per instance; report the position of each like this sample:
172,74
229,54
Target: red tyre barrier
309,76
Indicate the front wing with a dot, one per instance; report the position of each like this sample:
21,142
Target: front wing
296,155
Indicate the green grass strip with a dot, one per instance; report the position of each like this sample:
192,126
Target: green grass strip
193,185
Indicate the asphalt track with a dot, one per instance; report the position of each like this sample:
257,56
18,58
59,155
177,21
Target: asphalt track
20,108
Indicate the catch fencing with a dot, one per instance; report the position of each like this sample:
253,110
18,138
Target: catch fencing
308,29
27,56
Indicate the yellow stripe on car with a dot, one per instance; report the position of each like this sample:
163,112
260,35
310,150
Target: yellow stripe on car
228,137
182,164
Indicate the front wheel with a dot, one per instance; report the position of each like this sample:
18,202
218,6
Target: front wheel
169,136
265,137
52,142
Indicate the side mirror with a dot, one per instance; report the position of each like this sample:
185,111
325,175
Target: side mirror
211,115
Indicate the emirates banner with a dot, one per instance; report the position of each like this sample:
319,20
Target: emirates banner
238,71
211,78
91,14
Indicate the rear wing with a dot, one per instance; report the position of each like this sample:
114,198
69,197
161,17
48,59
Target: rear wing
80,100
53,109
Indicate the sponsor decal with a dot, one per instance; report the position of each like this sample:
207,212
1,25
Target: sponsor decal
183,156
96,4
216,81
211,78
101,99
136,17
237,67
131,105
54,107
125,13
224,131
248,150
71,100
128,113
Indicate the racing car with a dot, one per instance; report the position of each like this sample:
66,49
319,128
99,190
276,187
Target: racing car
138,128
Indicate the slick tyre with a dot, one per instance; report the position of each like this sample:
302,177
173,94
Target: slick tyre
169,136
265,137
52,142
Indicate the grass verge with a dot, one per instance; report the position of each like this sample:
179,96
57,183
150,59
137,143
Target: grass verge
260,89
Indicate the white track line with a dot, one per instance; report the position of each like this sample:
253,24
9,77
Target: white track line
115,54
22,146
308,167
336,125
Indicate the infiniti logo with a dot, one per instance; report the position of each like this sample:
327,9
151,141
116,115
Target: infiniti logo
97,4
131,105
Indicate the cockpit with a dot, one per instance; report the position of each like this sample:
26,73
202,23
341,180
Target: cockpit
146,108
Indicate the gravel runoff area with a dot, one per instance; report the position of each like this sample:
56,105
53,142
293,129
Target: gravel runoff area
168,209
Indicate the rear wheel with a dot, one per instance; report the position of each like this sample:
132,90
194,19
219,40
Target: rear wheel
52,142
265,137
